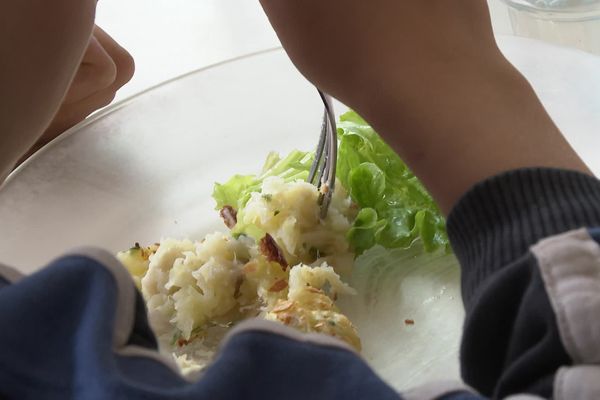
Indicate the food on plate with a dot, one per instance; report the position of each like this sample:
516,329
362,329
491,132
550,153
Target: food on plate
394,209
195,291
310,304
279,260
136,260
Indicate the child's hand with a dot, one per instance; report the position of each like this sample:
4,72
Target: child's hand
105,68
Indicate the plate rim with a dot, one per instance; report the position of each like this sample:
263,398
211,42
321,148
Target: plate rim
122,103
505,38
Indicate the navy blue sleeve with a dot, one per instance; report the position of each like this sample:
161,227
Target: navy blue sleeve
78,330
530,269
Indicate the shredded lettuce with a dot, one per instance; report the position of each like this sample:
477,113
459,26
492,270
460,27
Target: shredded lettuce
395,209
237,190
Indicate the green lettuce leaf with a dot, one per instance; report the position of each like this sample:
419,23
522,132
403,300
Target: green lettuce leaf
400,209
366,228
237,190
395,209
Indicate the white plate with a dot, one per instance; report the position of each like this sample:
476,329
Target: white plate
144,169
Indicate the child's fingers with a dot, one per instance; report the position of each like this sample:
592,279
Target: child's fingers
96,72
105,65
123,60
104,69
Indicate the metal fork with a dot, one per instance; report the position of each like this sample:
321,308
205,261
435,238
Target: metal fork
322,171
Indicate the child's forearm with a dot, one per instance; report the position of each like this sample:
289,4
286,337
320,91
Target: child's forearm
42,44
429,77
458,127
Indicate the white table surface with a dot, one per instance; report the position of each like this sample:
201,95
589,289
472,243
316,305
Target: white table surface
168,38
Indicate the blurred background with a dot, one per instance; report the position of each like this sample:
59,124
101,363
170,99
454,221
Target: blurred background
171,37
168,38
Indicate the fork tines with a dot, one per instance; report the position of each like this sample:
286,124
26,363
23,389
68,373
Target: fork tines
322,171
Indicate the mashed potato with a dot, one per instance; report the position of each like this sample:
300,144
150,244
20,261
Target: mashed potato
289,212
195,291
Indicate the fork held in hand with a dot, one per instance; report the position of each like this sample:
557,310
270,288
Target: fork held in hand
322,171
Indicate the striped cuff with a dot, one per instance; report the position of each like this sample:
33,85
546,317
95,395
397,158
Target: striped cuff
497,221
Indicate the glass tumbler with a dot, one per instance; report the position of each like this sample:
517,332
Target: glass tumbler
574,23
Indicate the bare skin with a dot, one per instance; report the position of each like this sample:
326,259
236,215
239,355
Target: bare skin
104,69
60,68
430,78
427,75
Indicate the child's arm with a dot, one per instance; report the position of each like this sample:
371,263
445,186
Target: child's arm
42,43
429,77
